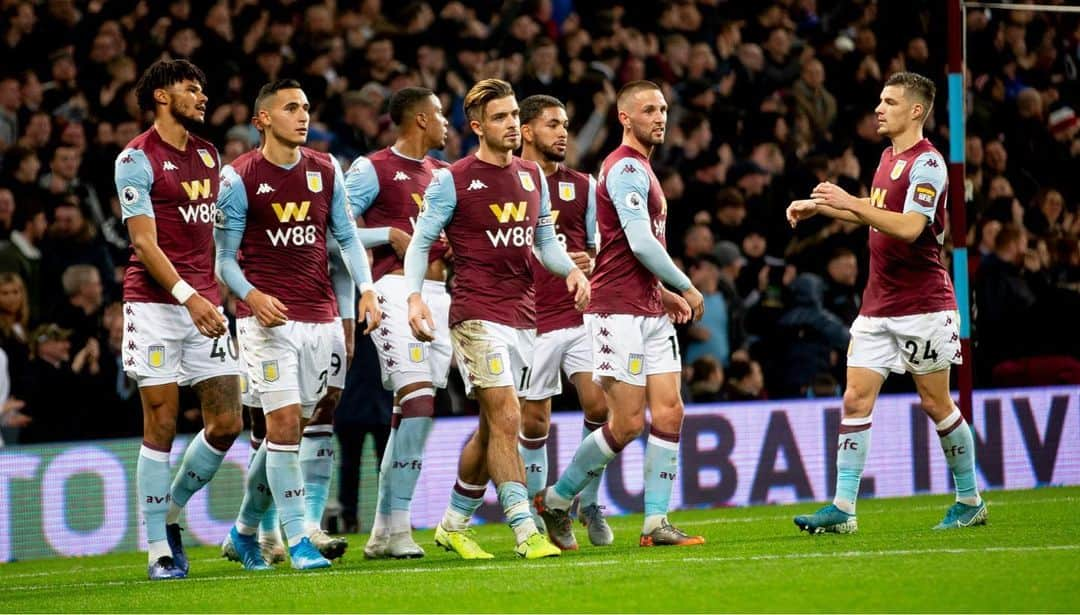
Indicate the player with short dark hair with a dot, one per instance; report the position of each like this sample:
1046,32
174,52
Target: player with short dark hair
387,188
635,352
491,206
562,344
174,331
276,208
908,320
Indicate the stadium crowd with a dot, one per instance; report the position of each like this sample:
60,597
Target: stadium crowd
767,99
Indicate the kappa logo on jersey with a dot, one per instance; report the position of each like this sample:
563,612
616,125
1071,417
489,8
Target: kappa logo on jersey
628,168
207,159
264,189
925,193
416,352
495,363
270,371
506,211
291,212
400,176
877,197
197,190
526,181
635,363
127,159
314,181
476,184
566,191
155,355
897,169
168,166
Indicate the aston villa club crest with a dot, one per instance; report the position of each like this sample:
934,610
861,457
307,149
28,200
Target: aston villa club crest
897,169
314,181
207,159
416,352
156,355
566,191
526,180
635,364
495,363
270,371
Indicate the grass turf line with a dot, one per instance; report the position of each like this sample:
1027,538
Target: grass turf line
755,560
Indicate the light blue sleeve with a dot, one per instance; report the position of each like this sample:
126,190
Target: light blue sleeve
928,176
547,247
343,229
628,187
440,200
373,237
629,191
344,289
361,186
590,215
134,178
229,223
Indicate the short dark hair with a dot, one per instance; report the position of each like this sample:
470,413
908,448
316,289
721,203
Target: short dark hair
921,87
162,74
272,88
405,100
632,88
533,106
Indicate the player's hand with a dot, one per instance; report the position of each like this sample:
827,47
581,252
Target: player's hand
696,301
677,309
800,210
582,261
349,325
369,310
831,195
268,310
208,320
578,284
399,241
420,319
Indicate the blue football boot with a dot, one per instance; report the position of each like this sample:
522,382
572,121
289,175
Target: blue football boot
176,544
304,556
962,515
247,550
828,519
164,568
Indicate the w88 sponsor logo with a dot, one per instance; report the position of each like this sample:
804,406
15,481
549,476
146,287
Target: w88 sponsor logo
304,235
518,236
198,213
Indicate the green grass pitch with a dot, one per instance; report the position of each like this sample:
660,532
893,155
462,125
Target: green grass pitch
1027,559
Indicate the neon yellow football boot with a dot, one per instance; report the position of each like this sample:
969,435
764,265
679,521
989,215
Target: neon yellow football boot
537,546
460,542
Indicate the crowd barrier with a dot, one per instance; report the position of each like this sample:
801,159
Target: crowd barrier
79,498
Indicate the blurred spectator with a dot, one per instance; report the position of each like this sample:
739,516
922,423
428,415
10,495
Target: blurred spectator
709,336
814,100
812,338
7,212
59,402
21,255
730,261
744,381
80,312
72,240
706,380
842,298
